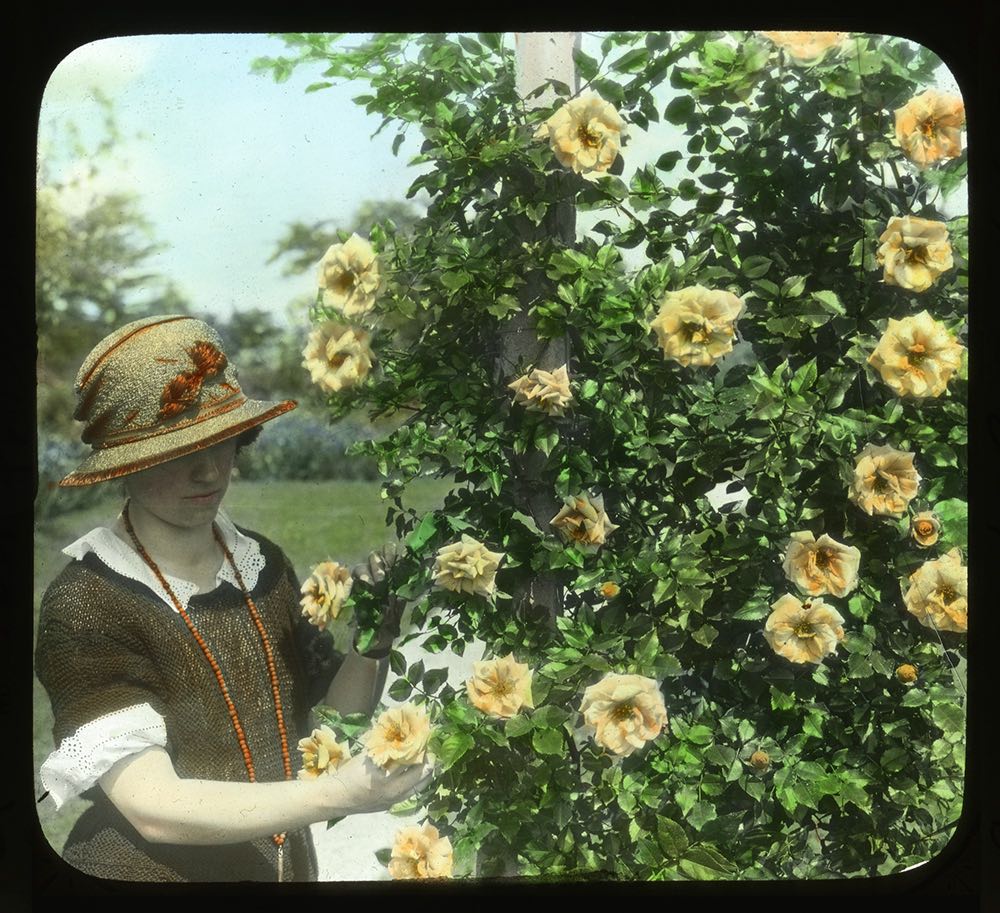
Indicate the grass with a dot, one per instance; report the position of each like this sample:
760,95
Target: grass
311,521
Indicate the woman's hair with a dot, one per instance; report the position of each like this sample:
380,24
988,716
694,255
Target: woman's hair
247,437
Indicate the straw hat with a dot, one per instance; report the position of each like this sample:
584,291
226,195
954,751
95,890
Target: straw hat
157,389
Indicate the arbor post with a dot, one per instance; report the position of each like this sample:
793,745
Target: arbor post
540,56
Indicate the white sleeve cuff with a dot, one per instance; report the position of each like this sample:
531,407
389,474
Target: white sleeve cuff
84,757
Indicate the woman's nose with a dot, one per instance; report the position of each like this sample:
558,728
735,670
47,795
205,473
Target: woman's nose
206,467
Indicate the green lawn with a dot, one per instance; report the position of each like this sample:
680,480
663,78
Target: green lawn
311,521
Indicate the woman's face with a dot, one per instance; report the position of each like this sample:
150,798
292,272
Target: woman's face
185,492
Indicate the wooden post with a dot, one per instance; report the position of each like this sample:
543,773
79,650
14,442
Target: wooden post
540,56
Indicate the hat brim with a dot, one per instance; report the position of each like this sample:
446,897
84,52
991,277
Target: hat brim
115,462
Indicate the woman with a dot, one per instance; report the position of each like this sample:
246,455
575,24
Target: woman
180,671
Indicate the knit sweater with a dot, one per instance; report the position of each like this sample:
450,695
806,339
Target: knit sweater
106,642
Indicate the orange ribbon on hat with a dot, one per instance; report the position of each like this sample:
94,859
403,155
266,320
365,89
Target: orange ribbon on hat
183,390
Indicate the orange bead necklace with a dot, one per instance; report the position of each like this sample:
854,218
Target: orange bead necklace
279,839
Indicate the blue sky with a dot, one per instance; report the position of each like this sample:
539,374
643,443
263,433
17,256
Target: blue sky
224,159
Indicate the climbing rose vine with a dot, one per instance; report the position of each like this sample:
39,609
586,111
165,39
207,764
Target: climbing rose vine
729,263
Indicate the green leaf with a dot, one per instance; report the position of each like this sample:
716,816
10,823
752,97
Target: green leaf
705,635
668,161
671,837
383,855
830,302
680,110
424,531
452,747
434,679
699,734
549,741
701,813
948,717
756,266
722,755
780,700
793,286
546,439
805,377
894,759
753,610
517,725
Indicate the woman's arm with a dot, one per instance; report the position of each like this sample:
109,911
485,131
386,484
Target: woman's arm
359,682
165,808
357,686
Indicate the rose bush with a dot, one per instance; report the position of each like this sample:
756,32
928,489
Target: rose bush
770,195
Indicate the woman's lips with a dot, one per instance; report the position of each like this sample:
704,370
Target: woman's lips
202,499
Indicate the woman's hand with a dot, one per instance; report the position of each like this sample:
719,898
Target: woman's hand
374,572
363,786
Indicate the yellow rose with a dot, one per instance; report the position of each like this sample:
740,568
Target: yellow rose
583,522
885,480
803,632
806,47
467,566
823,565
324,593
419,852
917,356
914,252
696,326
610,589
929,127
925,528
938,593
321,753
906,673
349,277
500,687
337,356
585,134
624,712
543,391
399,737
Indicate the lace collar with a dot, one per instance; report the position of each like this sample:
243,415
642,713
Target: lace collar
120,557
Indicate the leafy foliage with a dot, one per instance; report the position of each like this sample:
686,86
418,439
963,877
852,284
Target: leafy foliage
786,178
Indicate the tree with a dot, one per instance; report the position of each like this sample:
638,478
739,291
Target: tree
768,767
93,246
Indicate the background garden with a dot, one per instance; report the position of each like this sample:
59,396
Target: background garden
778,188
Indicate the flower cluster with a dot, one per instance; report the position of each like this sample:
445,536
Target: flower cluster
349,277
929,127
324,593
420,852
885,480
337,356
803,632
543,391
914,252
938,593
321,753
467,566
807,47
696,326
823,565
500,687
917,356
585,134
583,522
624,712
399,737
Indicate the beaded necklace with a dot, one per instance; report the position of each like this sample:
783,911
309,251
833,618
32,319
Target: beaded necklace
279,839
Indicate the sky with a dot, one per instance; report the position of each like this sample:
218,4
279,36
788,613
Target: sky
223,159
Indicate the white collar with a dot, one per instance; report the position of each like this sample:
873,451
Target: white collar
120,557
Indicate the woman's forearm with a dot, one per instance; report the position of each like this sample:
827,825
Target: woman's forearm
165,808
357,686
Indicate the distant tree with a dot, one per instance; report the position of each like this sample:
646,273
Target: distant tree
93,248
304,244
